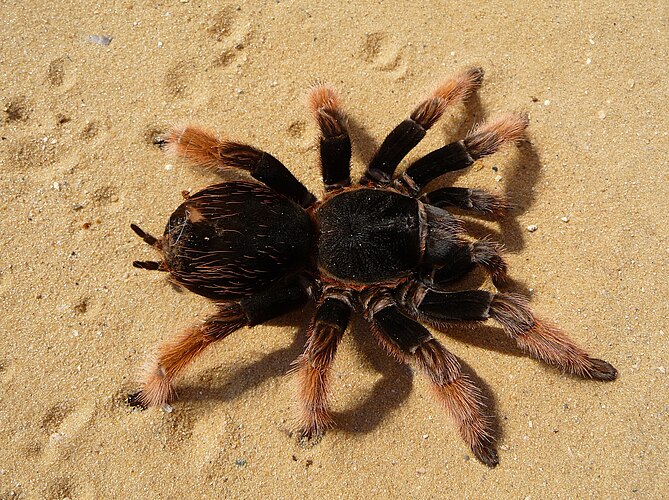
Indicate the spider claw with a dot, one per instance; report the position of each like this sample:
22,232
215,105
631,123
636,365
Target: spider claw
135,400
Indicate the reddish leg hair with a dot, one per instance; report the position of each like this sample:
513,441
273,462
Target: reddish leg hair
313,367
455,391
545,341
175,354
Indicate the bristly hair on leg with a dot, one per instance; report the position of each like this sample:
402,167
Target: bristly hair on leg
487,137
545,341
175,354
489,203
452,90
326,108
197,146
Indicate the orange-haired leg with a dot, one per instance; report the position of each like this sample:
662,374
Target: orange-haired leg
176,354
545,341
484,140
335,144
313,367
411,131
410,342
203,149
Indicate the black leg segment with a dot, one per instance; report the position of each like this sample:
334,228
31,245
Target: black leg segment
335,143
411,131
201,148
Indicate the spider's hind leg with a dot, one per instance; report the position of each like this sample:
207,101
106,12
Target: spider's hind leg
203,149
175,355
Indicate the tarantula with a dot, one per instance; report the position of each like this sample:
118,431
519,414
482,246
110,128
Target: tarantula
383,246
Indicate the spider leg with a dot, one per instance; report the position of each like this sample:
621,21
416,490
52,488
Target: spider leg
313,366
201,148
462,258
411,131
475,200
175,355
484,140
335,143
538,338
411,343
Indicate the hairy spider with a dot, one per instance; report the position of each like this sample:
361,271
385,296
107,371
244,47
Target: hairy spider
385,246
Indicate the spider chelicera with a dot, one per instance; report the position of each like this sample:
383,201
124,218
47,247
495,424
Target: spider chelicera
385,246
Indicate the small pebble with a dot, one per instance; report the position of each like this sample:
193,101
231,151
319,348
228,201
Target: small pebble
425,436
588,61
565,219
169,167
56,186
532,227
167,408
547,102
661,369
630,83
498,178
100,39
601,114
421,470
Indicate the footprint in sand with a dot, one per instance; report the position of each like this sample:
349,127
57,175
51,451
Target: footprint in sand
381,53
62,424
16,109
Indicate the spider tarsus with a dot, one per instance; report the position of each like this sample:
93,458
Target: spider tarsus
308,438
486,453
135,400
490,136
489,203
602,370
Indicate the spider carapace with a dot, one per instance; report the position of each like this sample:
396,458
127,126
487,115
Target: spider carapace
385,246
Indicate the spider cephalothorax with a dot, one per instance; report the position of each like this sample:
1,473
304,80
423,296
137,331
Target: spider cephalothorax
386,246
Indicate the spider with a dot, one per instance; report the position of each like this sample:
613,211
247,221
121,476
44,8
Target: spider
385,246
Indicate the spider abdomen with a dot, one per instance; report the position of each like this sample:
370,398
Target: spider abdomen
233,239
368,236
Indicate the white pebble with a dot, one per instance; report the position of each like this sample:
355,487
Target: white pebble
169,167
601,114
532,227
547,102
565,219
167,408
588,61
56,186
498,178
630,83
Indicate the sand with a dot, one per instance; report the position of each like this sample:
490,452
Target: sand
77,166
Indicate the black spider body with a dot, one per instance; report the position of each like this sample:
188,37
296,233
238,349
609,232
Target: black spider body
368,236
385,246
233,239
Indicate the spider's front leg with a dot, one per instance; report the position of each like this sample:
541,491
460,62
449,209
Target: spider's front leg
313,366
538,338
412,343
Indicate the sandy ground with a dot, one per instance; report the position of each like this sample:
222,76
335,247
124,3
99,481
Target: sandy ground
77,166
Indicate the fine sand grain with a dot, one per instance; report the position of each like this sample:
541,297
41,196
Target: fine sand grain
85,88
